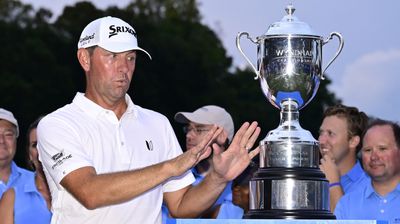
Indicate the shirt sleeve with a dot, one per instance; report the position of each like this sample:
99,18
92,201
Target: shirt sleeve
174,150
60,148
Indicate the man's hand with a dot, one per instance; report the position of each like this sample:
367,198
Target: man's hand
194,155
329,168
230,163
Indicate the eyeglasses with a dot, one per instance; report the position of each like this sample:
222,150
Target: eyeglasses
196,130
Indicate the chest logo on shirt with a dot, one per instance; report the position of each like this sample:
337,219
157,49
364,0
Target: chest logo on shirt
149,145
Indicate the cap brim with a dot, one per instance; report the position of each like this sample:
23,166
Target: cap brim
186,117
118,48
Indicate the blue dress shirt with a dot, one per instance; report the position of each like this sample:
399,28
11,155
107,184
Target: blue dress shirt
354,179
30,206
228,210
366,204
18,177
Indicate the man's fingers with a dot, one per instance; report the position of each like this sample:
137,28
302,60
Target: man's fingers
239,134
206,140
253,138
250,136
254,152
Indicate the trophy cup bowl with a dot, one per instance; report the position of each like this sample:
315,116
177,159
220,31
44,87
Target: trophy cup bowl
289,184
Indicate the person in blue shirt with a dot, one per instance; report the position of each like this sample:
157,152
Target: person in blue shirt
380,198
239,203
197,124
31,202
10,174
340,141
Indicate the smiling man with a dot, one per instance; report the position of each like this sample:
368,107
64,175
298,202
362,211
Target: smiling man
10,174
380,198
340,141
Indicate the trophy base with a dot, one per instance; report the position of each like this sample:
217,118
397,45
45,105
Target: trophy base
289,193
285,214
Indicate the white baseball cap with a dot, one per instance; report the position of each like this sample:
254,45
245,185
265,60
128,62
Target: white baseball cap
8,116
110,33
209,114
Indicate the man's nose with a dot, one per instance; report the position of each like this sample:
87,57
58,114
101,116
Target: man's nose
374,155
322,138
123,65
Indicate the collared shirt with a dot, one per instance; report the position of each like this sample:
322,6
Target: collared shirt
228,210
29,205
367,204
354,179
18,177
224,198
84,134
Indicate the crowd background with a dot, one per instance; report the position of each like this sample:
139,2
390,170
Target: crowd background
190,67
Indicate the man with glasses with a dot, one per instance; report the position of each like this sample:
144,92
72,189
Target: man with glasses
197,124
10,174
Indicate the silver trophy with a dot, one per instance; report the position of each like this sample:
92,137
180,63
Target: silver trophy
289,184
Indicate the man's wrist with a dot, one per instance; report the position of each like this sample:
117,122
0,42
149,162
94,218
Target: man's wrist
334,184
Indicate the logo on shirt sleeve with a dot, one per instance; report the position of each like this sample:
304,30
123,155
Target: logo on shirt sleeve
59,158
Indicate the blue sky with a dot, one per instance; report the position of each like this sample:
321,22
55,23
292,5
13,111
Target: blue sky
366,74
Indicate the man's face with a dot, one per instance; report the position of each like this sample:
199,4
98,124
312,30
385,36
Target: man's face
110,73
195,133
380,154
333,138
8,142
240,196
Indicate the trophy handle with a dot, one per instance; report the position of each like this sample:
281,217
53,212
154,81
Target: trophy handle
244,55
338,35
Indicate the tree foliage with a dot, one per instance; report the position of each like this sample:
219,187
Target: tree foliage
190,67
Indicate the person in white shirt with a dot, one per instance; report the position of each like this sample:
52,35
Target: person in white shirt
108,160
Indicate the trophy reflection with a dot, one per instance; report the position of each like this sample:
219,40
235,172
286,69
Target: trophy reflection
288,183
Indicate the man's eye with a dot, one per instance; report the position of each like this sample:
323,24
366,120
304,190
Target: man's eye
366,150
131,58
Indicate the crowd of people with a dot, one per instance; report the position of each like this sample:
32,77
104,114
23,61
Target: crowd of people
104,159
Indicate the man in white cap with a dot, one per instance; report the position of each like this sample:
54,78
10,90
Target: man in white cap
108,160
197,124
10,174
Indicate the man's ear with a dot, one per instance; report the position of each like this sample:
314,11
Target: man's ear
84,58
354,141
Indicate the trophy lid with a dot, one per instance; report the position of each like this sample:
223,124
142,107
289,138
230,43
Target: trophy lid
290,24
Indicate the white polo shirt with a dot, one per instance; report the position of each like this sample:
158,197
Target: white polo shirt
84,134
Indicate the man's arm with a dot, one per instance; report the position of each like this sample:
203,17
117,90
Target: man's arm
331,171
94,190
192,201
7,207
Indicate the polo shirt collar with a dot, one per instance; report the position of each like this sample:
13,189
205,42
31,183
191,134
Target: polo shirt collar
370,191
15,173
355,173
94,110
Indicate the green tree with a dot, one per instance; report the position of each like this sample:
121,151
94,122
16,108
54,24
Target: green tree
190,67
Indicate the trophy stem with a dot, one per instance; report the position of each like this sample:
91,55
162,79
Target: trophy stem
289,115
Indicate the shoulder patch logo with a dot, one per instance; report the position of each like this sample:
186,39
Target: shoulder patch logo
57,156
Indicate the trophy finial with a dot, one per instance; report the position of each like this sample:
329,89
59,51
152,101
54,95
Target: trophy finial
290,9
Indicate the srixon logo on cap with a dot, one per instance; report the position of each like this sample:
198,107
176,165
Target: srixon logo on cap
114,30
